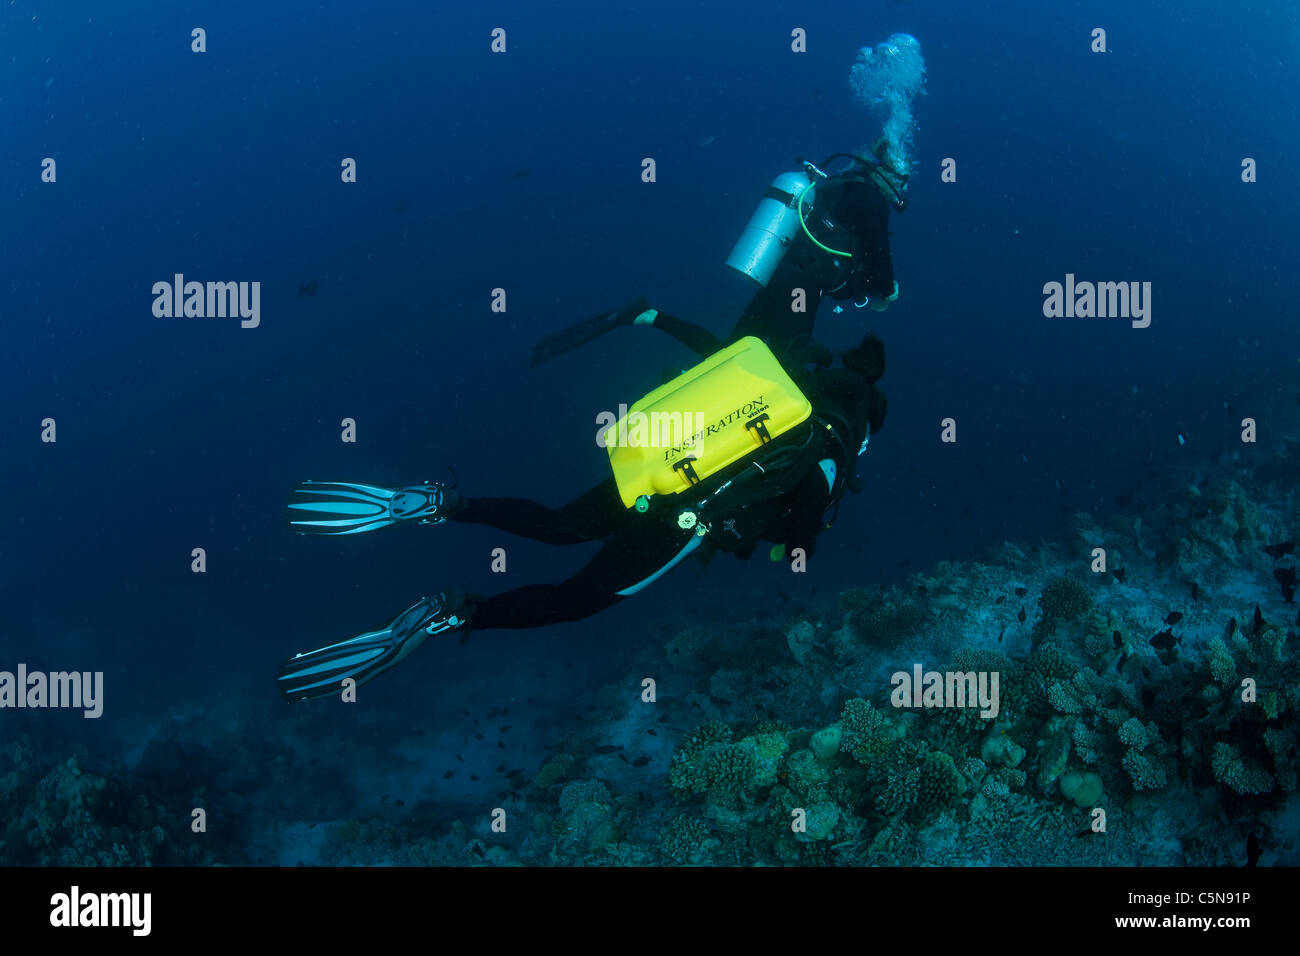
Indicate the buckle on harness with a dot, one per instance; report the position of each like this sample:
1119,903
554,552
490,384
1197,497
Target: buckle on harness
686,467
758,425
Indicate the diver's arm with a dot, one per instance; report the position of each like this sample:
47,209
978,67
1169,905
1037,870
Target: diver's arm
872,264
807,517
877,270
771,314
695,337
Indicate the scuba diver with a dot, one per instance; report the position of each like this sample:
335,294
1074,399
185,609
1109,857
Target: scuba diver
759,451
823,229
776,452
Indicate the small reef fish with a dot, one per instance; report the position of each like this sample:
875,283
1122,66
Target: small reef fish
1280,550
1173,617
1286,581
1165,640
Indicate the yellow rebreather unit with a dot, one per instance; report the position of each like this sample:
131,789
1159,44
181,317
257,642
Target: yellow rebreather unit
734,402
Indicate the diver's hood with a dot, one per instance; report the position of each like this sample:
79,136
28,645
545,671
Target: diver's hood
871,169
833,197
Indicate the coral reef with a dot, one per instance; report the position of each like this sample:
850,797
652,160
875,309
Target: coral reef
1147,716
882,617
66,815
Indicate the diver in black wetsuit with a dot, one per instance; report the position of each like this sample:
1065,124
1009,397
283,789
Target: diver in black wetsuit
784,497
788,508
836,245
819,232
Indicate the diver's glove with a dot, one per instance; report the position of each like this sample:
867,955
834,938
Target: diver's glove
637,312
320,673
880,305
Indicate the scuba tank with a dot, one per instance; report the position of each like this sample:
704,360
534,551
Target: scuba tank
762,245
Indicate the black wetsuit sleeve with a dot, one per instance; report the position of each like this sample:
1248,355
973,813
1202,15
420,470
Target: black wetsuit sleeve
807,515
695,337
866,211
770,315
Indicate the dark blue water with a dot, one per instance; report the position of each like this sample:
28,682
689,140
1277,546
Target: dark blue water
522,171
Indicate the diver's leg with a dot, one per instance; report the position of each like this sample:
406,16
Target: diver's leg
632,561
622,568
325,671
594,515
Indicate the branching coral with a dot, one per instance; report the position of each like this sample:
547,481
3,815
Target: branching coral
1063,599
707,762
1233,771
882,618
574,795
867,734
683,841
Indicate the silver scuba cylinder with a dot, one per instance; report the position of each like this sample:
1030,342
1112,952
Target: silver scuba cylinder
762,245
